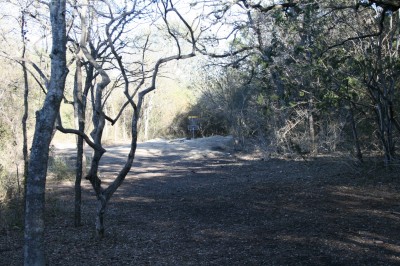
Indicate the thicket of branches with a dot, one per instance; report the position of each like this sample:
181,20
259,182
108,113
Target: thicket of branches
307,77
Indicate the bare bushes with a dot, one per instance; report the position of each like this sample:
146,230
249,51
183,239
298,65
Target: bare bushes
165,113
260,120
59,166
225,107
11,178
11,199
11,204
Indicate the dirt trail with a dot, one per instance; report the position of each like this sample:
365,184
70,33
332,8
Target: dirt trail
192,203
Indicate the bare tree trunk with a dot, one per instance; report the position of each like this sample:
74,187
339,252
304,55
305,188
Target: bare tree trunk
80,101
385,130
116,125
124,129
355,135
312,127
26,93
80,124
98,120
78,179
34,249
146,118
99,117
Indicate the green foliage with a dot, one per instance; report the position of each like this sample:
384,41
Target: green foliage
331,98
353,82
260,99
304,73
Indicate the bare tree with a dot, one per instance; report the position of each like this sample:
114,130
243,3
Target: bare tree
26,93
131,72
34,249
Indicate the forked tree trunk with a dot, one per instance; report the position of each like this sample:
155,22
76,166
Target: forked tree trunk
101,210
99,118
105,194
34,249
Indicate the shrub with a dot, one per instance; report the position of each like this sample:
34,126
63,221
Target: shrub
59,168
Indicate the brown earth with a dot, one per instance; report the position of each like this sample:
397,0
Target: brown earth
187,205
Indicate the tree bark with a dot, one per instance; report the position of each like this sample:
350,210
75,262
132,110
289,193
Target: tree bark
34,249
313,147
98,104
26,105
355,135
80,124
